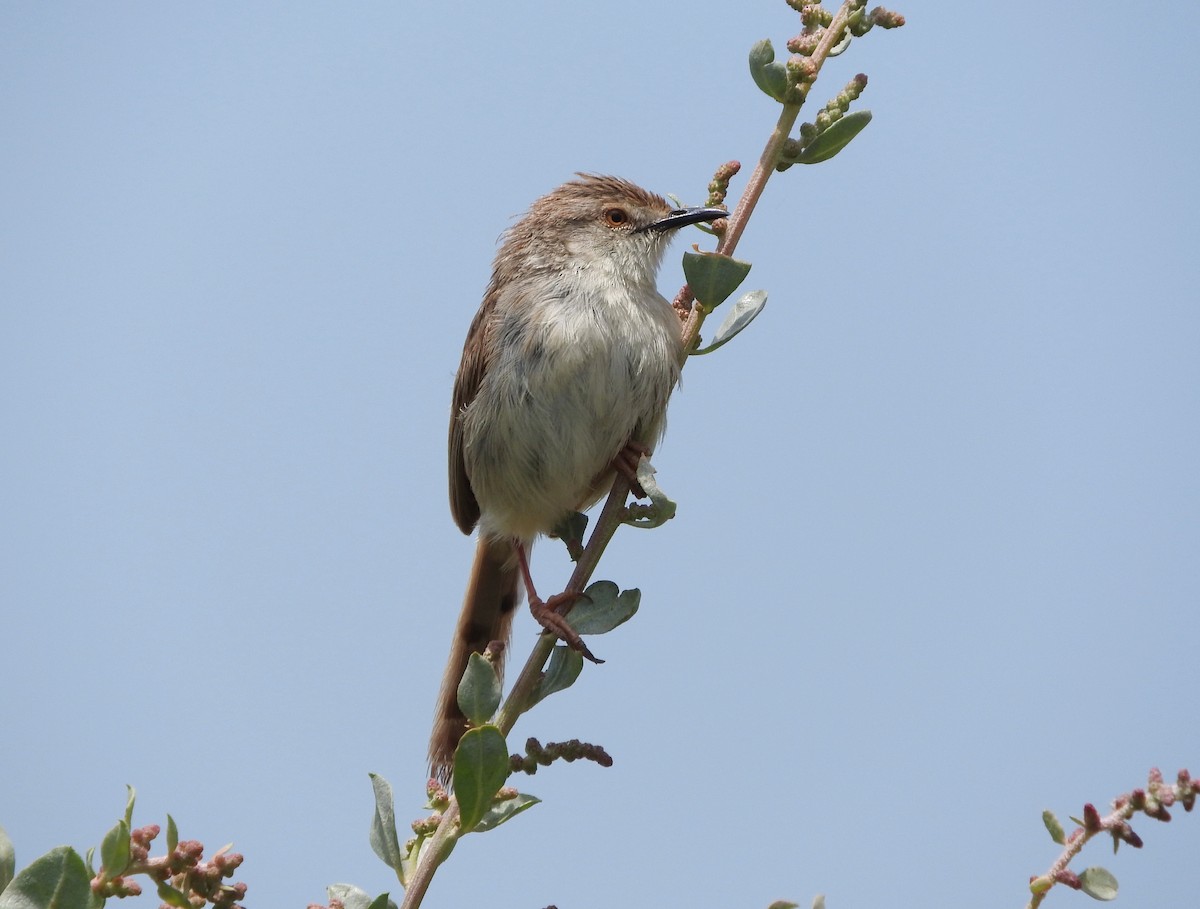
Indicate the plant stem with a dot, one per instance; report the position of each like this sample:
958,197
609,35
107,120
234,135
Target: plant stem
603,531
762,173
514,705
434,853
447,833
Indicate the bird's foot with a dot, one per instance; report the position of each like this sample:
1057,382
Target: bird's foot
626,463
548,614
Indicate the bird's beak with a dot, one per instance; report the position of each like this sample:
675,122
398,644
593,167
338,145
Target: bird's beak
682,217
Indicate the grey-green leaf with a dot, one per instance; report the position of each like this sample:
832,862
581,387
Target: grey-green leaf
57,880
561,672
383,901
604,608
1054,827
479,690
480,769
352,897
173,897
571,530
172,834
713,277
768,75
506,810
1098,883
8,859
660,510
114,850
835,138
744,311
130,798
384,839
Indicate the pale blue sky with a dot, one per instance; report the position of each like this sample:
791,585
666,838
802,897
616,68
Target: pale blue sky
935,563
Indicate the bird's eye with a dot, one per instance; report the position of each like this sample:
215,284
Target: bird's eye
616,217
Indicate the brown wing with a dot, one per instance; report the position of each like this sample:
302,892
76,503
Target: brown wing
463,504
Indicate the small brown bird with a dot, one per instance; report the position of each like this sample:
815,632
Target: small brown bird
568,365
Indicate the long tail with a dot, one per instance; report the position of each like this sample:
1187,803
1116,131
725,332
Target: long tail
487,613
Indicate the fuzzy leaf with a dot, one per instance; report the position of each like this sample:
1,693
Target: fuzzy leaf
352,897
744,311
8,860
480,769
1054,827
172,834
835,138
384,839
506,810
660,510
571,530
383,901
713,277
768,75
604,609
57,880
479,690
130,798
561,672
173,897
1098,883
114,850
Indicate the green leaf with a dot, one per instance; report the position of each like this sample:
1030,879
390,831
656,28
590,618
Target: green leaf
506,810
1098,883
8,859
571,530
352,897
713,277
744,312
114,850
130,798
1054,827
57,880
384,839
784,904
383,901
480,769
561,672
835,138
768,75
479,690
172,834
604,608
660,510
173,897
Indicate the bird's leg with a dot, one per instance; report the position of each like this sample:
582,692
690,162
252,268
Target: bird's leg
626,463
546,612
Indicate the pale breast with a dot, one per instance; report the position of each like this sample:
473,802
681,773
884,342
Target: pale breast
573,379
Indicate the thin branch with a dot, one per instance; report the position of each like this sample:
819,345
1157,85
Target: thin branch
440,844
1153,801
740,216
443,839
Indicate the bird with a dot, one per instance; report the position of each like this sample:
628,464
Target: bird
565,376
